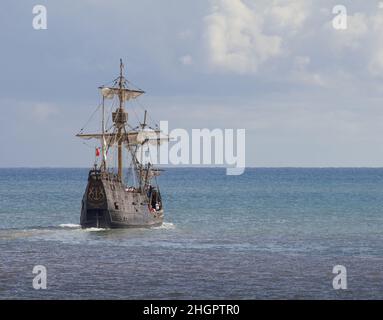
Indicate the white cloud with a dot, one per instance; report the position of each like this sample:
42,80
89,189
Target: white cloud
301,74
352,37
376,62
185,34
43,111
186,60
288,14
235,38
301,62
243,36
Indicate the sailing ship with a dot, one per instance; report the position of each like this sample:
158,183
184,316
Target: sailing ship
110,200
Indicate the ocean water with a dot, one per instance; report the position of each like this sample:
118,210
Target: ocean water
267,234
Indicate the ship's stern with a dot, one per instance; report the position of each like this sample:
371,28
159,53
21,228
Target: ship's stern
94,213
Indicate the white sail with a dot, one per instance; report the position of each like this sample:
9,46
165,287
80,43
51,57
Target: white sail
104,148
151,136
126,94
130,138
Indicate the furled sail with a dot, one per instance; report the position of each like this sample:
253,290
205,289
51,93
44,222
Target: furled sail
126,94
130,138
151,136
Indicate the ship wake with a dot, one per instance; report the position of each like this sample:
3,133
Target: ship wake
166,225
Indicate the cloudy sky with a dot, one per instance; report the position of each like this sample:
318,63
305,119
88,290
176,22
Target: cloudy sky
306,93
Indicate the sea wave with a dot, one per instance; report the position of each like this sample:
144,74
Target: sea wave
95,229
69,225
166,225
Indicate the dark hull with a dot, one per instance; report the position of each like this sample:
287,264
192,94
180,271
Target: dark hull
107,204
104,220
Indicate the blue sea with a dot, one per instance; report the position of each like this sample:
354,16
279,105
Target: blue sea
266,234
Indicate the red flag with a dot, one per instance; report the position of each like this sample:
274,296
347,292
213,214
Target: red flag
97,152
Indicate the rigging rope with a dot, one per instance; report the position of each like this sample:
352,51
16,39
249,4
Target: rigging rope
91,117
150,118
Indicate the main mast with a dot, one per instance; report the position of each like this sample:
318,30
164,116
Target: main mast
120,136
120,119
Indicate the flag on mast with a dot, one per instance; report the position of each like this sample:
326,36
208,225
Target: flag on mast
97,152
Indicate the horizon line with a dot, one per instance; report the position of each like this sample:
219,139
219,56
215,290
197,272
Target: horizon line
206,167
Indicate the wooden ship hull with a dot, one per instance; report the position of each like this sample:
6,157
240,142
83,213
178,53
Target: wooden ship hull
107,203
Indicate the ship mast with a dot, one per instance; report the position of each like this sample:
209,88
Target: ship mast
103,149
120,136
143,126
120,119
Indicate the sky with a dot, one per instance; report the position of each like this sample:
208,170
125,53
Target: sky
308,94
